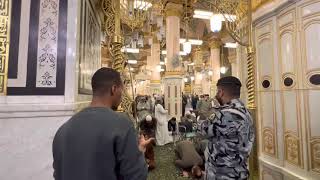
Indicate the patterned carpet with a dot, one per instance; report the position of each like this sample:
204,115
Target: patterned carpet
165,168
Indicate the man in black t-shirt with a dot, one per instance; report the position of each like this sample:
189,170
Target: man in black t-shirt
98,143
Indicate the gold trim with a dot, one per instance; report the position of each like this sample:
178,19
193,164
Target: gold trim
155,81
292,148
268,139
5,20
215,44
173,13
308,76
315,154
173,73
268,78
256,4
173,9
293,77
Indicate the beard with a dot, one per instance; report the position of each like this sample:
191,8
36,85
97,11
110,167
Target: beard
219,100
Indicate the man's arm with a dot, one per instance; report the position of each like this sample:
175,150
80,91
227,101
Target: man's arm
56,156
130,159
208,127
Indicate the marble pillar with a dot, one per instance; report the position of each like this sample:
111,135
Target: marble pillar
173,74
198,66
197,89
214,64
155,81
150,66
232,57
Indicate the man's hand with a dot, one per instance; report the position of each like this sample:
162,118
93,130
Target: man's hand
143,143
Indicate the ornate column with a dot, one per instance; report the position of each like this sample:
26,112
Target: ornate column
198,66
232,57
155,81
173,75
197,83
214,64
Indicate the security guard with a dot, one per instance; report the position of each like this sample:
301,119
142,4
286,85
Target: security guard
230,133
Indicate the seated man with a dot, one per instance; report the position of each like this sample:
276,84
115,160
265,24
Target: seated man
148,128
187,123
188,159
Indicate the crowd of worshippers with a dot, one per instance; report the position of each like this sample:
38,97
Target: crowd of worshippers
154,122
212,140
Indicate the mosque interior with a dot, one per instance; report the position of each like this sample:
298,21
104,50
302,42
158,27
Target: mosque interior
50,49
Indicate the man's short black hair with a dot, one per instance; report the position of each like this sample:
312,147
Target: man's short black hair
231,85
103,80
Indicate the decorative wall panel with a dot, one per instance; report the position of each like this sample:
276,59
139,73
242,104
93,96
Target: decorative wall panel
294,32
90,48
289,96
47,44
41,54
310,42
5,19
265,82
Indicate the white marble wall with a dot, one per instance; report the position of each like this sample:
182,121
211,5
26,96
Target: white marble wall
287,42
29,123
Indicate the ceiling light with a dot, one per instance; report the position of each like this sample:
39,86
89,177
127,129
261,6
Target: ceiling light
185,79
142,5
197,16
162,63
131,69
192,41
215,23
158,68
130,50
223,70
191,64
187,47
210,73
132,61
231,45
200,14
181,53
192,78
161,70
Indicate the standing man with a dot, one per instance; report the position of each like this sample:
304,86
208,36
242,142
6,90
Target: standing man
230,133
184,103
194,101
98,143
204,106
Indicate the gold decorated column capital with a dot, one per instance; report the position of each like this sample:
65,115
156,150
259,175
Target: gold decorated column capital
215,44
174,9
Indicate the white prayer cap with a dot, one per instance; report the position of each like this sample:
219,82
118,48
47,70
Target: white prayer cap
187,113
148,118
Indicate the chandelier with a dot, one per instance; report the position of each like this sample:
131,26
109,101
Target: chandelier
134,12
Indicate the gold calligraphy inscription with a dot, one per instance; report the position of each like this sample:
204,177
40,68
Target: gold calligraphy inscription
5,6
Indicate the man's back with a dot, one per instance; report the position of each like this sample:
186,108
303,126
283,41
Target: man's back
231,136
97,144
187,154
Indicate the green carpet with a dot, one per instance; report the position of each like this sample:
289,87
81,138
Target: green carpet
165,168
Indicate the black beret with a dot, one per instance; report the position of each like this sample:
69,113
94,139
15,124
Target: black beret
229,80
